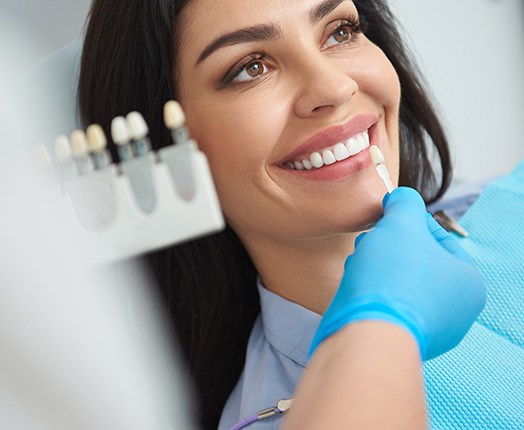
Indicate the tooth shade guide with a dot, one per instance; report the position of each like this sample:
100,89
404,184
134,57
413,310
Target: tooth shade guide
376,154
41,156
174,116
79,146
119,131
137,126
174,120
96,138
378,159
80,151
62,148
121,138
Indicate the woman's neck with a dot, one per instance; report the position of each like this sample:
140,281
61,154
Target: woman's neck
305,272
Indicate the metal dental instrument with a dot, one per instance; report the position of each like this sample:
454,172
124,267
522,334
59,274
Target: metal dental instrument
449,224
281,408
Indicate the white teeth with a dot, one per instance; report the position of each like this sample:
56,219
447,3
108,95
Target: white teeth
340,151
299,165
353,146
316,160
332,154
365,137
357,143
328,156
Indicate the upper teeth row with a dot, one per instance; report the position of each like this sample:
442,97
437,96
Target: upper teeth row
332,154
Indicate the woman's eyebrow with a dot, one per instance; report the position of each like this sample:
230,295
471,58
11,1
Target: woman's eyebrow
264,31
321,10
244,35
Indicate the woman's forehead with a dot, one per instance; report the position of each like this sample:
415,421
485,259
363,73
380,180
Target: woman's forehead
220,15
202,21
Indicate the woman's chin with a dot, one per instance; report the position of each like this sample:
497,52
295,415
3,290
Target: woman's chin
365,217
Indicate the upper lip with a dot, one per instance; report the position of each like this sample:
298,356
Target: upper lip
332,135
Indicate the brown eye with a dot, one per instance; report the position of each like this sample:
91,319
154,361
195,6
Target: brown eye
255,69
251,71
342,34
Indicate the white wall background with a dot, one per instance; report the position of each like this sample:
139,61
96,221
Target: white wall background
471,51
56,22
472,54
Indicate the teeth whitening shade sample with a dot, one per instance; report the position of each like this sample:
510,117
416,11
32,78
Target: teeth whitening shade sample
378,159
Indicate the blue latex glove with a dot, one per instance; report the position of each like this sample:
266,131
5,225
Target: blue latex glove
411,272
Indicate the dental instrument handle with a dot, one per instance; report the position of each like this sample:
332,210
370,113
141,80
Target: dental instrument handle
384,175
378,159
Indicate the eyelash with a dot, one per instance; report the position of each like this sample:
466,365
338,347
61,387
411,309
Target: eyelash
355,28
239,67
353,23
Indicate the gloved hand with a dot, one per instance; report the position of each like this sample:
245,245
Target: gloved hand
408,271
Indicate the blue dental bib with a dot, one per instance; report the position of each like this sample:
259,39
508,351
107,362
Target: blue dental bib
480,383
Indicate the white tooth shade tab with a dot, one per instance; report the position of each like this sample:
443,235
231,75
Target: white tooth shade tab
376,154
173,115
137,126
62,148
79,146
96,138
119,131
41,156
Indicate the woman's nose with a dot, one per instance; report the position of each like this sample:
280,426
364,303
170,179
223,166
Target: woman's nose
323,87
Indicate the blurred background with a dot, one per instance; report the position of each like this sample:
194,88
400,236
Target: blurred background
471,52
472,55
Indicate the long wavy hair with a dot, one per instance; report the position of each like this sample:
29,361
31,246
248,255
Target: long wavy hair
209,284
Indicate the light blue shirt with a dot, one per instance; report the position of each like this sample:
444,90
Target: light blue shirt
479,385
276,357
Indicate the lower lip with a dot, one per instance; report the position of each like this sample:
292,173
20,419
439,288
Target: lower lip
339,169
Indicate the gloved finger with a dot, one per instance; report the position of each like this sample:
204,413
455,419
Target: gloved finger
347,262
385,199
405,203
359,238
449,243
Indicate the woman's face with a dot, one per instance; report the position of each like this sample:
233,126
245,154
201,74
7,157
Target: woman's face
268,88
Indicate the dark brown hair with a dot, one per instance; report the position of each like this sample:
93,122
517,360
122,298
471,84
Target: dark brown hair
209,285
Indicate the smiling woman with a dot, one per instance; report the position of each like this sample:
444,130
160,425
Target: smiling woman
285,98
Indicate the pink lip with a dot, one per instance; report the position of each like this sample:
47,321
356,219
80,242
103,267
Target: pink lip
331,136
